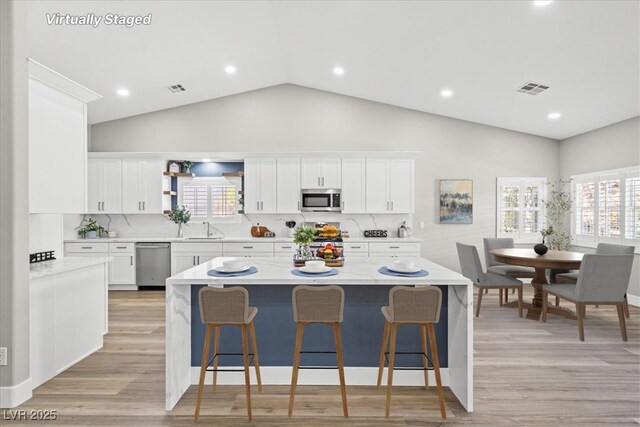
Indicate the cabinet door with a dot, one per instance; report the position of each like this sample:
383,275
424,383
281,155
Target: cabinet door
122,270
95,186
131,187
268,184
182,261
331,173
207,256
377,194
112,176
401,185
251,185
151,175
353,185
288,186
311,173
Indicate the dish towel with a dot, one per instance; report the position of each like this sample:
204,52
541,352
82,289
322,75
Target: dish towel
385,270
299,273
215,273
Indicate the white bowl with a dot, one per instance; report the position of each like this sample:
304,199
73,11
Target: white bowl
404,264
233,264
314,265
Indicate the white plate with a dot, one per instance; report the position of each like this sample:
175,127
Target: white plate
308,271
401,270
221,269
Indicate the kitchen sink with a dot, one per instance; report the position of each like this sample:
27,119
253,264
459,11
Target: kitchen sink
205,238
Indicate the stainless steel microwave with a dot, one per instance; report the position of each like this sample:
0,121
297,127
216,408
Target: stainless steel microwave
321,200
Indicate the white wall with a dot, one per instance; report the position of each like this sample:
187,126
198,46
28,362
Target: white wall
46,233
610,147
299,119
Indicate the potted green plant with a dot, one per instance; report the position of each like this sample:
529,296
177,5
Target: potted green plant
91,230
187,166
303,237
180,215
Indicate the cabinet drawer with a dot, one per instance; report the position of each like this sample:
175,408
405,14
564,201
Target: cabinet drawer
352,248
196,247
115,248
249,254
83,248
247,248
390,248
285,248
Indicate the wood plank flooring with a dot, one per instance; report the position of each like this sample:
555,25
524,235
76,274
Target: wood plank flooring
527,373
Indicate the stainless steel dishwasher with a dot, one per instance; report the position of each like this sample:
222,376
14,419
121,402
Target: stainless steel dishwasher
153,263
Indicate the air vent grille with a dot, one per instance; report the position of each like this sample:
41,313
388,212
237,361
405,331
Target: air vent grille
532,88
176,88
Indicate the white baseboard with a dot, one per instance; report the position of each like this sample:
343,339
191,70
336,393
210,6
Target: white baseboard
281,375
10,397
123,288
633,300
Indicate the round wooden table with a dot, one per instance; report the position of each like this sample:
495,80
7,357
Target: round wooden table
553,259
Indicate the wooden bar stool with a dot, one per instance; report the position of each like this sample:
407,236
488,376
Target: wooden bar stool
418,306
317,304
220,307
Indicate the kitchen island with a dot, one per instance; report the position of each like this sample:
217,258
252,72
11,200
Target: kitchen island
366,290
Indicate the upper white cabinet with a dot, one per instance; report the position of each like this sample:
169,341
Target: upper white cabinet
389,185
288,186
321,173
142,186
260,183
104,186
353,185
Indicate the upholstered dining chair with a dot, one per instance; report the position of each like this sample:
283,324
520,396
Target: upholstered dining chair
602,279
493,266
472,270
602,249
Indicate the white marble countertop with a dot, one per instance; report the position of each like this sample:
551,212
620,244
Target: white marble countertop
356,271
63,265
236,240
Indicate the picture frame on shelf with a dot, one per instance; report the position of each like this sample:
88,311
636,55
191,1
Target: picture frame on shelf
456,201
174,166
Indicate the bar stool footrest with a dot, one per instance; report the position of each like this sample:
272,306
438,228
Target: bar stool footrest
318,367
211,369
403,368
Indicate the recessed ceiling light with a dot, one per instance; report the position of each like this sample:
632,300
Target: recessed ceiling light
446,93
122,92
230,69
554,116
541,3
338,71
206,160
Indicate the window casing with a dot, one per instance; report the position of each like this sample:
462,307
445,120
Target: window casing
520,208
607,207
212,199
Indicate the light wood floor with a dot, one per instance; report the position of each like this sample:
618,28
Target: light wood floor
526,373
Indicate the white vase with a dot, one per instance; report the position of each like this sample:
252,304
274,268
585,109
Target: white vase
91,235
180,230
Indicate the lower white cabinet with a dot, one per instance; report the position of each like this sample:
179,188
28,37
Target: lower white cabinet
379,249
187,255
122,270
356,250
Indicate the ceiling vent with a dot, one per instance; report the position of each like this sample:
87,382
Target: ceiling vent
531,88
176,88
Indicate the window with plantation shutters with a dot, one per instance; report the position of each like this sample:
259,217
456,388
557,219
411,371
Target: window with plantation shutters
212,199
607,207
520,209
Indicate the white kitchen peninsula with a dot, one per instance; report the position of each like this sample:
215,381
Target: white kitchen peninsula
269,290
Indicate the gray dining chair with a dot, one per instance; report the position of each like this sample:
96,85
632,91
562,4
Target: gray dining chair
601,249
472,270
602,279
493,266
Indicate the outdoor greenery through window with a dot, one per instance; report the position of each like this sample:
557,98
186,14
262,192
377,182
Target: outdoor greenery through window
214,199
607,207
520,210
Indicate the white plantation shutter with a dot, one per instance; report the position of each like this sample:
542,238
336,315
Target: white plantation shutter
607,207
520,208
195,199
223,200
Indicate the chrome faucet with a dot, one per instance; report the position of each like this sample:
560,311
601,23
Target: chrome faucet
208,228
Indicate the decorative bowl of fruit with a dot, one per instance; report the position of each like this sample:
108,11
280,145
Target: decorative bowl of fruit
329,252
329,231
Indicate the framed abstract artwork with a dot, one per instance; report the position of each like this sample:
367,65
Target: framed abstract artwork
456,201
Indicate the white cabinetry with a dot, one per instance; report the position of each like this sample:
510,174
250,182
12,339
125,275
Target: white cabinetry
142,186
288,186
187,255
248,249
394,249
356,250
321,173
353,185
389,187
260,182
123,266
104,186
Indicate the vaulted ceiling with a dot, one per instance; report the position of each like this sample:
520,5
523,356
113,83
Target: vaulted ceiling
399,53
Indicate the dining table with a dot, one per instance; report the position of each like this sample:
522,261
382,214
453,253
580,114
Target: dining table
561,260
